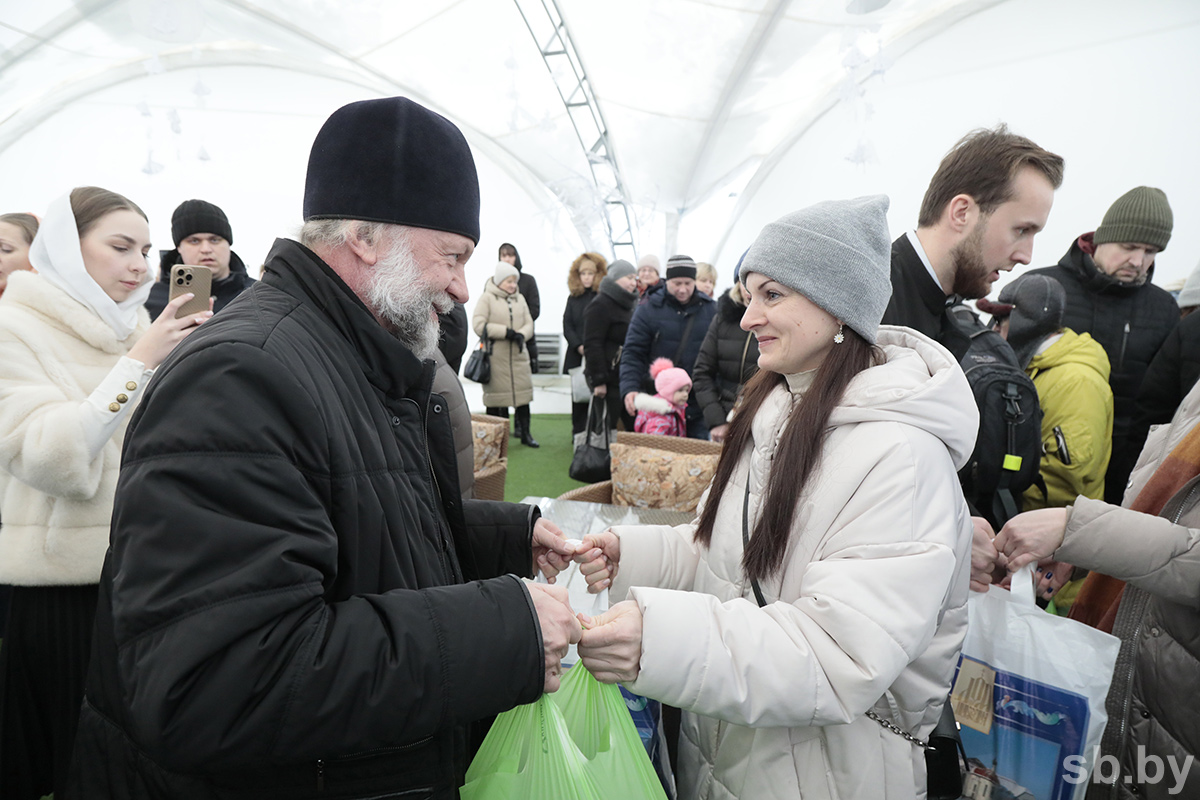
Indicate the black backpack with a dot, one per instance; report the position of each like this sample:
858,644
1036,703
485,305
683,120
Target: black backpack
1008,450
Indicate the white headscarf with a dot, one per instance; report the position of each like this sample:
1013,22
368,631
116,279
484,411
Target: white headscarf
56,255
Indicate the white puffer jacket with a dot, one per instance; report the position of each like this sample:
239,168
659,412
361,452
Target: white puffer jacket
64,383
869,610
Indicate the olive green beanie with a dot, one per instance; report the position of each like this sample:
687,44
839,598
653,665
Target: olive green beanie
1140,215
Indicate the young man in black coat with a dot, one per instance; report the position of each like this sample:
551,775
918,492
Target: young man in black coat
203,238
1107,274
297,601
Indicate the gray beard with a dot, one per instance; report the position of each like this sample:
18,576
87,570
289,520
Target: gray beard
404,301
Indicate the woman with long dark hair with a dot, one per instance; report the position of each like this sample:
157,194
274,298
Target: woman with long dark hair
821,592
76,351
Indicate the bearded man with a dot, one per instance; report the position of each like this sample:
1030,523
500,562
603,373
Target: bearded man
1107,276
987,200
297,601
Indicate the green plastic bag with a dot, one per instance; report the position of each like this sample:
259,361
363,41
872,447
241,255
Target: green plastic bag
577,744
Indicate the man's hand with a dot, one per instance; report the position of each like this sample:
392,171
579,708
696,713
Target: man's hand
598,556
558,625
629,406
985,559
551,553
611,647
1032,536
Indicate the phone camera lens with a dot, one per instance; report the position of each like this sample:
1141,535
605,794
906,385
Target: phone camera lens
189,277
179,281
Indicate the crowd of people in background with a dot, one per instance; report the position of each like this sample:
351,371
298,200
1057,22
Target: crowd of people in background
240,547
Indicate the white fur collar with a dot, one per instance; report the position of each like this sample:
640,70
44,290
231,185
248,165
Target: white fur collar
41,298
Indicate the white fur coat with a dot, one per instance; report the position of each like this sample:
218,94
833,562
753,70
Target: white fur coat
55,499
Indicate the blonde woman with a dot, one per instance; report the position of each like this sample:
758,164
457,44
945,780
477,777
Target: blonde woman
76,352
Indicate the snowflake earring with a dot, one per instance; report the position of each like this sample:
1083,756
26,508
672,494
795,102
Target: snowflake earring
839,337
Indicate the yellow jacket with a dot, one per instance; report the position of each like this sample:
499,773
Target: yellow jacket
1071,377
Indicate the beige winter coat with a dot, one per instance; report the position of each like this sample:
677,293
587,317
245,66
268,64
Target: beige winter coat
512,378
55,499
1154,702
869,611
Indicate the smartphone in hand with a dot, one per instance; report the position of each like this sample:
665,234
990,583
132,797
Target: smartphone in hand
198,281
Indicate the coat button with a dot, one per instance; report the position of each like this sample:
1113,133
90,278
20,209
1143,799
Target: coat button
395,422
131,385
122,398
1155,631
114,407
1145,714
437,409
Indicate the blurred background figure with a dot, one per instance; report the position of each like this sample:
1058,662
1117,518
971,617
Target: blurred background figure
502,316
587,271
649,271
16,234
605,323
706,278
527,285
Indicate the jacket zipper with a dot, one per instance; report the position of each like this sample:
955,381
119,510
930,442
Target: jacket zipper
368,754
437,491
1127,701
512,373
320,774
1124,341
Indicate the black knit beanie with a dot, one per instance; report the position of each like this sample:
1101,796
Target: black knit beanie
199,216
392,160
681,267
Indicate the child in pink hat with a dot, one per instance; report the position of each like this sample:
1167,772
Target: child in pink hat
663,413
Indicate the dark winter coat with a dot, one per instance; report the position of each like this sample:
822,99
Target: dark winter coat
605,323
728,358
1130,323
657,331
573,326
918,301
222,291
1170,376
296,601
453,338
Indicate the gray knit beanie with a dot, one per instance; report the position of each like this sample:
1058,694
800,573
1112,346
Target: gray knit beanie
837,254
1140,215
1189,295
1038,305
620,268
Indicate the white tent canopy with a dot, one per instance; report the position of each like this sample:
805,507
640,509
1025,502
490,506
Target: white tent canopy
704,119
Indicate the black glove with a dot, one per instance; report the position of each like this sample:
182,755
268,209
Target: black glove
512,335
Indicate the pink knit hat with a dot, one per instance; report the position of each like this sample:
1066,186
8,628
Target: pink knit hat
668,378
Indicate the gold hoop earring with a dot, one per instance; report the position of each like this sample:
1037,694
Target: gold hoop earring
839,337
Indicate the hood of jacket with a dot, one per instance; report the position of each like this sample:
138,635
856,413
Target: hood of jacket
919,384
1073,348
1079,261
730,310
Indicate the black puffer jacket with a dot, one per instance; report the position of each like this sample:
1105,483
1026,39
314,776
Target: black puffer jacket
1130,323
296,601
605,323
577,305
728,358
1170,376
223,291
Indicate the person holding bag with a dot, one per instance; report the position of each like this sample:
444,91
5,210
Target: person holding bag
605,323
810,619
583,279
502,317
1144,588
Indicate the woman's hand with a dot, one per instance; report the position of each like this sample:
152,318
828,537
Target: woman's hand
719,433
598,556
601,390
1032,536
611,646
579,349
167,332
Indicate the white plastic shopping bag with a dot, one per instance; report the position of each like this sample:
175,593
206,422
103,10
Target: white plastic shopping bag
1029,696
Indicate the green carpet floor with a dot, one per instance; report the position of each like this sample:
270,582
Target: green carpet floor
541,471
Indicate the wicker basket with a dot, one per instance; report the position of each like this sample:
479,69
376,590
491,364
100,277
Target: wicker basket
602,492
489,480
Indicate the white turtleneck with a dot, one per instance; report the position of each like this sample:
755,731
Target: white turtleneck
799,382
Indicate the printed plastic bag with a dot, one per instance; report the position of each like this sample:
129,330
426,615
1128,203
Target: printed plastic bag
577,743
1029,696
